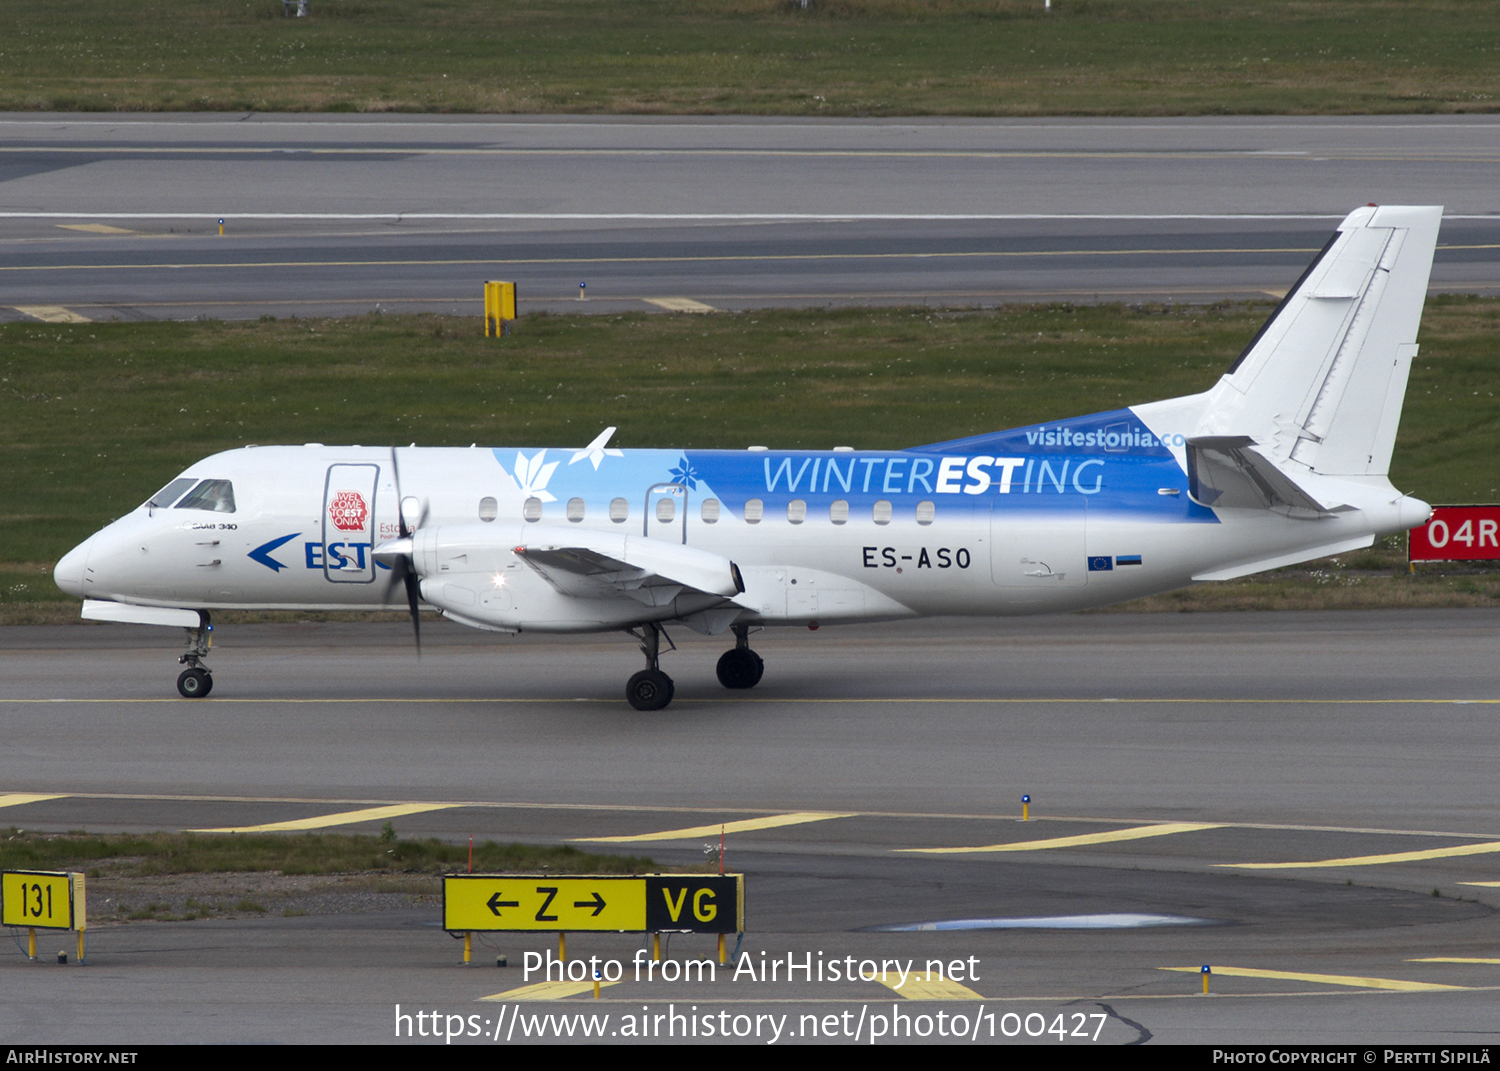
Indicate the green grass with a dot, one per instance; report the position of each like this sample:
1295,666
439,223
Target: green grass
841,57
98,416
153,854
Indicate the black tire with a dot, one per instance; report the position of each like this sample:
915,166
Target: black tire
649,689
740,667
194,684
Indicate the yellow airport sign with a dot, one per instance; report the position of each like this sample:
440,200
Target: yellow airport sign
656,903
37,899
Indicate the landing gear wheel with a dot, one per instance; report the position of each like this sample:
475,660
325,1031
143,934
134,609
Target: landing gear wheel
194,683
650,689
740,667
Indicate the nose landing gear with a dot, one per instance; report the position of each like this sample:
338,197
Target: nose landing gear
196,681
650,689
740,667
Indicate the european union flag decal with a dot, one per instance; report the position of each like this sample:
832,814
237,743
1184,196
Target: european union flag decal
1101,564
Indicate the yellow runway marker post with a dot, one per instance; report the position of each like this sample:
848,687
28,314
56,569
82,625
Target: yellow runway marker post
1082,840
692,832
369,814
920,986
1352,981
547,991
1485,848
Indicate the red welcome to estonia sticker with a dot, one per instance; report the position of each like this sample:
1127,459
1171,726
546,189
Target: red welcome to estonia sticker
348,511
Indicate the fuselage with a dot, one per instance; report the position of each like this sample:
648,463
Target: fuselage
1084,512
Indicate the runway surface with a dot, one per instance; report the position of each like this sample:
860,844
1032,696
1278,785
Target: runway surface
106,217
1313,793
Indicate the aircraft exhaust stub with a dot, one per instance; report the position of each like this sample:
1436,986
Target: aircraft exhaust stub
655,903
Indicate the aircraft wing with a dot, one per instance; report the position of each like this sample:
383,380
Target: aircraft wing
652,571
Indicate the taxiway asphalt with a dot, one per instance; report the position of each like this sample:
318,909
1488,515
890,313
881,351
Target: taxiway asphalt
1300,785
106,217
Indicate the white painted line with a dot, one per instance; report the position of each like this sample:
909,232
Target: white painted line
670,216
1119,921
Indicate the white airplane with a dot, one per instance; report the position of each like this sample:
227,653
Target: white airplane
1283,460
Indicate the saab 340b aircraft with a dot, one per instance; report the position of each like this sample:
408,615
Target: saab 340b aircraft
1283,460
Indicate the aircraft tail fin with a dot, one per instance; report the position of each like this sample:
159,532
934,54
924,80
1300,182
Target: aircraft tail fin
1319,389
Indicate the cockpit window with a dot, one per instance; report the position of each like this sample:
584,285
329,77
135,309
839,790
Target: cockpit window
216,495
170,493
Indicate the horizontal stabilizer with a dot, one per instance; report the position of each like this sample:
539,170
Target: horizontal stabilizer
1231,471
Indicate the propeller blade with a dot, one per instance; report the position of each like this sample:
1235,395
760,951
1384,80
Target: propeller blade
399,555
413,593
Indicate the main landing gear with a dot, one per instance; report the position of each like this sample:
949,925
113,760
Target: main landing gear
650,689
196,682
740,667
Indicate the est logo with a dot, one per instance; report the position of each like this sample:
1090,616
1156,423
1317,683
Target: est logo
348,511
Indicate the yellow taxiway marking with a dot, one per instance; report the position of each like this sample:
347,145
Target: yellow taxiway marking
15,799
548,991
1455,959
919,986
679,304
1326,979
94,228
1486,848
52,314
369,814
1113,835
744,826
1482,884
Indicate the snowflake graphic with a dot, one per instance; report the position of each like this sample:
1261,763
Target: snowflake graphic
685,473
532,475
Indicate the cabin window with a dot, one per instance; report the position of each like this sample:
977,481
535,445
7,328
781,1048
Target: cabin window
796,511
171,493
710,511
666,510
925,512
619,510
489,509
753,510
882,512
216,495
532,509
838,512
575,510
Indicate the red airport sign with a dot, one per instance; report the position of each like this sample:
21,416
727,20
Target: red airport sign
1457,533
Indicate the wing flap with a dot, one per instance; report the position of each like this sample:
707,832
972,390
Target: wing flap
651,571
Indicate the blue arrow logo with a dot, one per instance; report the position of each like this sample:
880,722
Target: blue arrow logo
262,553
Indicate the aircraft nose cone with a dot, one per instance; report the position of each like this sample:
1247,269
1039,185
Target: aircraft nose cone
69,572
